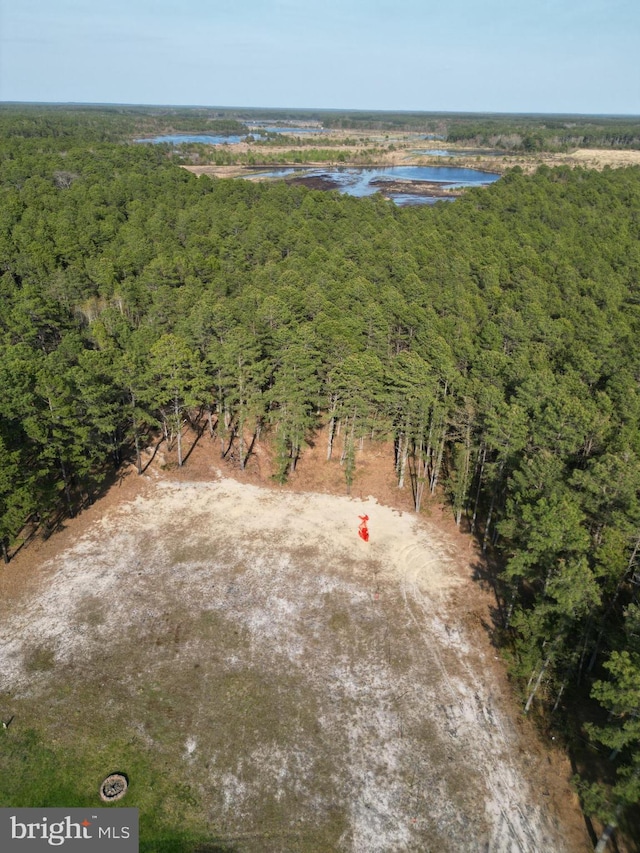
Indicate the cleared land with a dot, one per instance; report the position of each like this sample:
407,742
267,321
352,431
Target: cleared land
263,674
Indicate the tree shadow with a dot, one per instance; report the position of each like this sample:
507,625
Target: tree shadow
592,763
54,513
587,820
254,438
486,573
28,533
153,455
199,430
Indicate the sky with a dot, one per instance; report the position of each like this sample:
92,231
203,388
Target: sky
551,56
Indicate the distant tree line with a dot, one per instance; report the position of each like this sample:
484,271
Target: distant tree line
528,133
494,341
545,134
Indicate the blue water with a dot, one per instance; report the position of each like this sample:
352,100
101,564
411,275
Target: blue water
439,174
408,200
204,139
208,139
358,182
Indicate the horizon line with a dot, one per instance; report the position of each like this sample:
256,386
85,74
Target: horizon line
135,105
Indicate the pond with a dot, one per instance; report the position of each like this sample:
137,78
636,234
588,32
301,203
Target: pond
362,182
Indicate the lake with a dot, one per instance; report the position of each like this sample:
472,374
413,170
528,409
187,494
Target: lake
209,139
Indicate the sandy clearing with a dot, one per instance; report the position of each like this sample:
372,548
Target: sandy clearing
598,158
372,702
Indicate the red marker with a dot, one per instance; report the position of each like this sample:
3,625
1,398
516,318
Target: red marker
363,530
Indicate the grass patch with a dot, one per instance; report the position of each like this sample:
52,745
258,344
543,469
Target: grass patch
40,659
36,773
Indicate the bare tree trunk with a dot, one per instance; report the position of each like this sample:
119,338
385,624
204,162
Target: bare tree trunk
438,462
536,686
67,487
559,696
348,444
332,426
136,435
510,606
295,450
349,455
222,433
607,832
421,471
241,442
605,838
479,489
485,538
460,497
404,452
136,441
178,416
428,456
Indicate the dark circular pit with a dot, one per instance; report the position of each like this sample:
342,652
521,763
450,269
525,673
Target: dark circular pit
114,787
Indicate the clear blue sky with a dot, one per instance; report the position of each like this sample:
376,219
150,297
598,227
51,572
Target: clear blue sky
578,56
